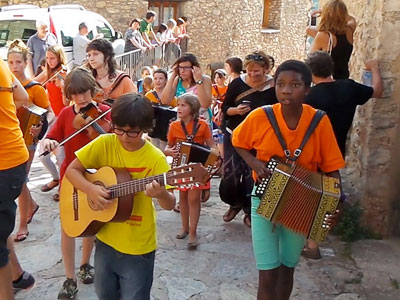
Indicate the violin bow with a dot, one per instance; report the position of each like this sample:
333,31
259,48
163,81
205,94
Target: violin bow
77,132
58,72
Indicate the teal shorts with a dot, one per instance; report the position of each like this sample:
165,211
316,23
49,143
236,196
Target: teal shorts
273,246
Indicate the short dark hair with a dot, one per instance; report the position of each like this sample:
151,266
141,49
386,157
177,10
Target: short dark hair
125,110
298,67
184,18
161,71
150,13
79,81
235,63
135,20
162,27
320,63
82,25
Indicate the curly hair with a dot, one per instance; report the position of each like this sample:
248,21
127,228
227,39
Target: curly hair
334,17
19,47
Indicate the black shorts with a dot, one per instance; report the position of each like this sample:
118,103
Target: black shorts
11,183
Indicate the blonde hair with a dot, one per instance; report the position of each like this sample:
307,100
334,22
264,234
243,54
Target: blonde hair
148,84
191,100
59,52
18,46
334,17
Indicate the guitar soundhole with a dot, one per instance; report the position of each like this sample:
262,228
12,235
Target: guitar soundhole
90,202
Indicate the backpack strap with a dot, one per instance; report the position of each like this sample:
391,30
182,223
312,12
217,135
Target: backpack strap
31,84
156,96
314,123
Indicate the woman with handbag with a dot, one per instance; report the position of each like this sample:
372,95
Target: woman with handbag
245,93
334,35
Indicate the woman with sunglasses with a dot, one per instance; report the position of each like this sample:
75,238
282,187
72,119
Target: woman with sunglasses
245,93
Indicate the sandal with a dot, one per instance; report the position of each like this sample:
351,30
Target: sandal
192,244
21,236
247,220
49,186
311,253
182,235
33,213
177,208
56,197
231,213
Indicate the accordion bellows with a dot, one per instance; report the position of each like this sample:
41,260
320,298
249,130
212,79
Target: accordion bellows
298,199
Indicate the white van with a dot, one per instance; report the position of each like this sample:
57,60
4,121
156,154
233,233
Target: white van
19,21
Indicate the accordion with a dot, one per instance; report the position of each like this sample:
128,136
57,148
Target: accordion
192,153
30,115
163,116
298,199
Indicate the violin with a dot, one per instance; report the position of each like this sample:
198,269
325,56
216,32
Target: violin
59,74
88,114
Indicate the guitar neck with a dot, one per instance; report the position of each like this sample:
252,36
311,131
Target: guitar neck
136,185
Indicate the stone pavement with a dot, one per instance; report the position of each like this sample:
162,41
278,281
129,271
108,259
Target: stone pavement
222,267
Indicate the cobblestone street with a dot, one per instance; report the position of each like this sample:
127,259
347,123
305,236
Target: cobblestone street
222,267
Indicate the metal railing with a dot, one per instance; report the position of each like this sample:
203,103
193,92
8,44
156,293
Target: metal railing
162,56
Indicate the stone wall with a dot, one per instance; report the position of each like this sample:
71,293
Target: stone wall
373,172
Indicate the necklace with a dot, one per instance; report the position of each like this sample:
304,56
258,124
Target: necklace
102,77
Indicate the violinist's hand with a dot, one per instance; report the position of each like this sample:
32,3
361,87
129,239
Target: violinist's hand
49,145
59,81
155,190
171,151
99,196
35,130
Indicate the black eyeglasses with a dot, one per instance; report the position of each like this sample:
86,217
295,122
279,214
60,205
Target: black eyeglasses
255,57
184,68
130,133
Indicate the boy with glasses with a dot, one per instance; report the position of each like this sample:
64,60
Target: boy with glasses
125,251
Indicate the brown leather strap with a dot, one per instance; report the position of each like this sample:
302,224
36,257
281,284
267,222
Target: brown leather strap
253,90
7,89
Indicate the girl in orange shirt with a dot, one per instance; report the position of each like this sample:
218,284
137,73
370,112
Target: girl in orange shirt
189,128
17,59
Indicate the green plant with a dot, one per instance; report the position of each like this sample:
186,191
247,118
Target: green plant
349,228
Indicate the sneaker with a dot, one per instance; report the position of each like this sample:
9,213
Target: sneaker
25,283
86,274
68,290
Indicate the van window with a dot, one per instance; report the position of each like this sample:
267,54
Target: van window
101,27
16,29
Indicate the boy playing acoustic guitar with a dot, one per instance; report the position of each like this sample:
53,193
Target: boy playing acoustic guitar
125,251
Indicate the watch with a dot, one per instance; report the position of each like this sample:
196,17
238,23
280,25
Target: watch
199,82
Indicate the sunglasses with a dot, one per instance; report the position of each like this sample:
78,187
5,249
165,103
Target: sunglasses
255,57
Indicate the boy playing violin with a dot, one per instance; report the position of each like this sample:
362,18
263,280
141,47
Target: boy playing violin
125,251
80,87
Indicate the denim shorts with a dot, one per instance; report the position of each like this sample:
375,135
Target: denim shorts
11,182
122,276
273,246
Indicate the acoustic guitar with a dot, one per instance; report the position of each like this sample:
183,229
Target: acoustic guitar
79,215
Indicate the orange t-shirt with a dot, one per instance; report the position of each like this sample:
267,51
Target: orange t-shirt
37,95
124,87
150,95
13,151
55,97
176,133
220,95
321,151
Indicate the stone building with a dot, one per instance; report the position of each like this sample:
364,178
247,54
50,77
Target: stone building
220,29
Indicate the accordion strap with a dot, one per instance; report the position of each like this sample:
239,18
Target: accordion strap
190,138
314,122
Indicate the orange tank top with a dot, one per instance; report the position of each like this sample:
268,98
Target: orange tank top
55,97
